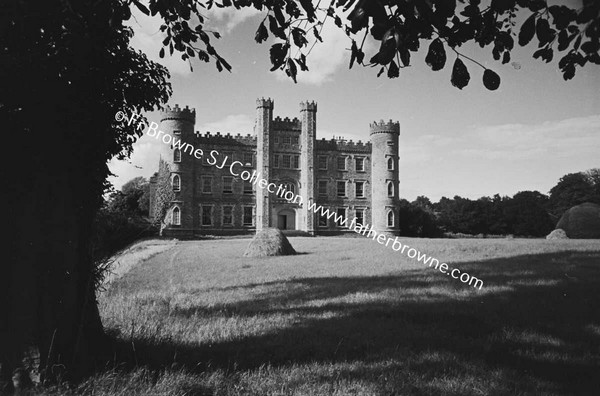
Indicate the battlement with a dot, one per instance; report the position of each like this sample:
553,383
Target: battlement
286,123
266,103
308,106
229,139
340,144
385,127
177,113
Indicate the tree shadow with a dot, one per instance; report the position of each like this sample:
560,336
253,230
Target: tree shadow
537,316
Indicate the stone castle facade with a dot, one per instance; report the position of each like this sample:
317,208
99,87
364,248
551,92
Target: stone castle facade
351,179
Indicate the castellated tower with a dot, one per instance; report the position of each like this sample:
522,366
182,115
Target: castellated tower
308,117
264,118
179,124
384,176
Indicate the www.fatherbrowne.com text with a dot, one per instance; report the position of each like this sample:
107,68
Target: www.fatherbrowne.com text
214,158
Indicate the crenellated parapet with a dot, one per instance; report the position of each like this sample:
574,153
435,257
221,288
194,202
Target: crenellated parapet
385,127
177,113
225,139
343,145
264,103
285,124
308,106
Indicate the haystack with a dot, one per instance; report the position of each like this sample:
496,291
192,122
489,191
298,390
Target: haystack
581,221
269,242
557,234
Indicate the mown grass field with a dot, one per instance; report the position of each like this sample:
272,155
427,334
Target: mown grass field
351,317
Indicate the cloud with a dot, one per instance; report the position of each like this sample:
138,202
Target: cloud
143,162
229,18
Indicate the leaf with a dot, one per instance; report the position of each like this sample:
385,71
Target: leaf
261,33
279,16
460,75
141,7
217,35
309,8
527,31
277,54
543,31
436,55
298,37
162,53
491,80
381,71
275,29
506,57
316,33
404,55
393,70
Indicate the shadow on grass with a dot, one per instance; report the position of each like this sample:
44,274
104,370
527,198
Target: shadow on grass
537,316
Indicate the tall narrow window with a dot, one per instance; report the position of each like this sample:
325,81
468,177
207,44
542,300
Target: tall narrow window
248,215
322,220
176,155
207,184
295,139
340,216
176,183
360,164
341,163
322,162
248,187
390,163
360,189
276,161
296,162
322,187
248,159
227,215
276,139
390,218
227,185
360,216
390,188
341,188
287,161
207,215
176,216
287,140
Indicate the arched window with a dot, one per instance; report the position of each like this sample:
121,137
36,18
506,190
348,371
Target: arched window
390,187
291,187
390,218
177,155
390,163
176,216
176,183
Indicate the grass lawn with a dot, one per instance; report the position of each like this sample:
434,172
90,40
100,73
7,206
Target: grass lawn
348,316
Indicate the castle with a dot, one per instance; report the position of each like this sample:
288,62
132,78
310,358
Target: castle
351,179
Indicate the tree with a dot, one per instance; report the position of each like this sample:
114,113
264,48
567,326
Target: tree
526,214
66,67
133,200
572,189
416,221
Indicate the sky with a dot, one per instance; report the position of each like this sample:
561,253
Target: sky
472,142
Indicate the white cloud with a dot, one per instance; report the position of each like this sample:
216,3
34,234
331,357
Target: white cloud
143,162
229,18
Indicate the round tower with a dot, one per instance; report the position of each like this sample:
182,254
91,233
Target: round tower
384,176
177,125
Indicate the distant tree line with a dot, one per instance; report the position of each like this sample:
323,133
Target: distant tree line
527,213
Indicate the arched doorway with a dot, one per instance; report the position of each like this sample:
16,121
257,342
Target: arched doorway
286,219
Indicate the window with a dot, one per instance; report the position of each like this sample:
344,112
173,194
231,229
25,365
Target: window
340,215
390,218
275,161
390,163
289,187
322,162
322,187
341,188
176,155
360,189
176,183
276,139
341,163
207,215
176,216
295,139
228,185
287,161
360,216
287,140
322,221
248,159
359,164
227,215
296,164
248,187
390,187
248,215
207,184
